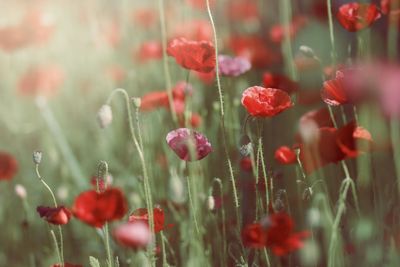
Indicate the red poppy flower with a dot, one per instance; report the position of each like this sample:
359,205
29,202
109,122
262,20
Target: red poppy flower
275,232
193,55
13,38
333,145
141,215
255,49
200,4
8,166
41,80
182,139
282,82
133,234
285,155
145,17
349,86
355,16
245,164
153,100
253,236
265,102
243,11
151,50
353,140
66,264
96,208
57,216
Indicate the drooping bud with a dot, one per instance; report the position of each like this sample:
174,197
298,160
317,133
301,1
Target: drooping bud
20,191
137,102
104,116
37,156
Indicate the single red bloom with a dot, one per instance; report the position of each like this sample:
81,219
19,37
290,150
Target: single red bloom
333,93
245,164
265,102
259,52
333,145
96,208
193,55
141,215
8,166
145,17
151,50
133,234
276,232
285,155
243,11
57,216
66,264
253,235
353,140
355,16
153,100
282,82
41,80
13,38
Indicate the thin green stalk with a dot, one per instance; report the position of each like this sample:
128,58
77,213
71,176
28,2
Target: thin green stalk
192,206
60,247
263,167
395,136
286,17
53,235
331,32
222,116
224,239
167,74
149,202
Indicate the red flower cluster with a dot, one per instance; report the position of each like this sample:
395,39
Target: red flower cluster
96,208
193,55
355,16
57,216
275,232
285,155
265,102
8,166
141,215
42,80
331,145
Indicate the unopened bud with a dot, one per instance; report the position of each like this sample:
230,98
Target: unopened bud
137,102
37,157
20,191
210,203
307,51
104,116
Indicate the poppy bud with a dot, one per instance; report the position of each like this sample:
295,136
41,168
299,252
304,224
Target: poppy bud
20,191
137,101
210,203
37,157
104,116
307,51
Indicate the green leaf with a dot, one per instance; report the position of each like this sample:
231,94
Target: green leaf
94,262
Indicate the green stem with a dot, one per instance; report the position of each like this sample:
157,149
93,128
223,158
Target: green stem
167,74
331,32
222,116
224,239
286,17
107,241
53,235
192,206
59,248
149,202
395,136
